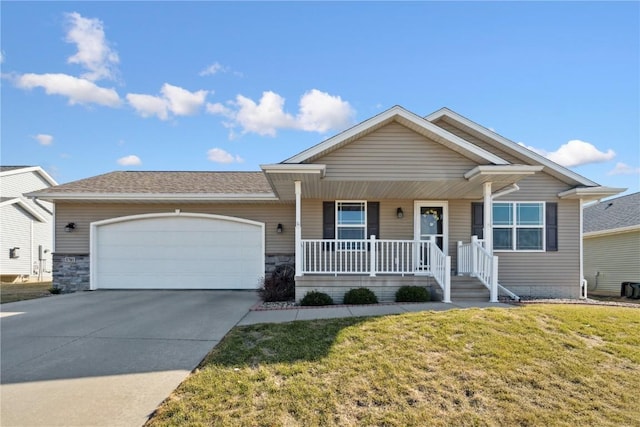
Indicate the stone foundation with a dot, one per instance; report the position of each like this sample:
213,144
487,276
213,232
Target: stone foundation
271,261
71,272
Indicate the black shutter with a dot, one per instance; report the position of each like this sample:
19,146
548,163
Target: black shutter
477,219
551,220
373,219
328,220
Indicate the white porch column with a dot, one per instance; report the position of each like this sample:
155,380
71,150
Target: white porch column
488,218
298,233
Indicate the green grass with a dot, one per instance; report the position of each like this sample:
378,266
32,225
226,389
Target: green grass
12,292
560,365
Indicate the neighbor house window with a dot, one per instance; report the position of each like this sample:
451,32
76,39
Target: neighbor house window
518,226
351,221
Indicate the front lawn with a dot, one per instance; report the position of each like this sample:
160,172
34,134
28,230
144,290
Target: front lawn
12,292
561,365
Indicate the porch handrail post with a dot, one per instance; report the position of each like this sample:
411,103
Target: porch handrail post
459,256
447,279
373,257
474,255
298,230
494,280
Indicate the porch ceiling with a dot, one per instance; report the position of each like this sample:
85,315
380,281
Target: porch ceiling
315,187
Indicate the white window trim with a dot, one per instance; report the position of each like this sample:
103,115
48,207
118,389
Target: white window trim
514,226
337,225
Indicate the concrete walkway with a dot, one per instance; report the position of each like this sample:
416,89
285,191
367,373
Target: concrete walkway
311,313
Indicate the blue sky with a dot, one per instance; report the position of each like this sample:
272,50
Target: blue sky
92,87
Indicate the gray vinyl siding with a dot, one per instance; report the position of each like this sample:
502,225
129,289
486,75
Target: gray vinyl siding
547,274
83,214
391,227
15,229
477,141
529,274
616,257
397,153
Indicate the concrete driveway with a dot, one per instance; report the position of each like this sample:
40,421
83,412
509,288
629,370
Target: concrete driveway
106,358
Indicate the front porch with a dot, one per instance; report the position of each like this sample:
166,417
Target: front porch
335,266
339,246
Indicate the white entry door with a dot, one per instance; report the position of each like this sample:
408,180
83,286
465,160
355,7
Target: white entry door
430,220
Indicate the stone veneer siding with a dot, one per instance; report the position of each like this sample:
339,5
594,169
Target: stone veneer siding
271,261
71,272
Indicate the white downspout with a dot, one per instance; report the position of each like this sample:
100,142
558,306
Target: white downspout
298,230
583,282
510,189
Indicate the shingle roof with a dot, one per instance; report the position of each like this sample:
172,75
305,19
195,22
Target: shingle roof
132,182
613,213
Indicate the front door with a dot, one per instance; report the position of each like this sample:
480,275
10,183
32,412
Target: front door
430,220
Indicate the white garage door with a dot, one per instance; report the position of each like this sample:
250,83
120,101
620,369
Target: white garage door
177,251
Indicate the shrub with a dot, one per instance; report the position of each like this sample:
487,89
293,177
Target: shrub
412,294
280,285
360,296
54,291
316,298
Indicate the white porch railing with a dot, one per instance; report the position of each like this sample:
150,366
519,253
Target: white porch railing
475,260
373,256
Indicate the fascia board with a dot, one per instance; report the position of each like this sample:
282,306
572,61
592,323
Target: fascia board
611,231
295,168
510,144
24,205
156,197
502,170
395,111
590,193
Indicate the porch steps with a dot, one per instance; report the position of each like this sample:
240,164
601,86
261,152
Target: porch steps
466,288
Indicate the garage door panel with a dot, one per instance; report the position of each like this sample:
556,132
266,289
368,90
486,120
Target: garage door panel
179,252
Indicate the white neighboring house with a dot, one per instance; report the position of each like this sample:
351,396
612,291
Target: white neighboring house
26,225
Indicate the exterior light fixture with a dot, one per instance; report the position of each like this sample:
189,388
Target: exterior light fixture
70,227
399,213
279,228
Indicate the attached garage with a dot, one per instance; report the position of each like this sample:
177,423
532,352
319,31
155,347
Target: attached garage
177,251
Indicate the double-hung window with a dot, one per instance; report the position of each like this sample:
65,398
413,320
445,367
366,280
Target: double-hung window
351,223
519,226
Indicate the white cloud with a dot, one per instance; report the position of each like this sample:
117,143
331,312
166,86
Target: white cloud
173,99
624,169
44,139
214,68
575,153
131,160
79,91
318,112
218,155
181,101
94,52
1,57
264,118
149,105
